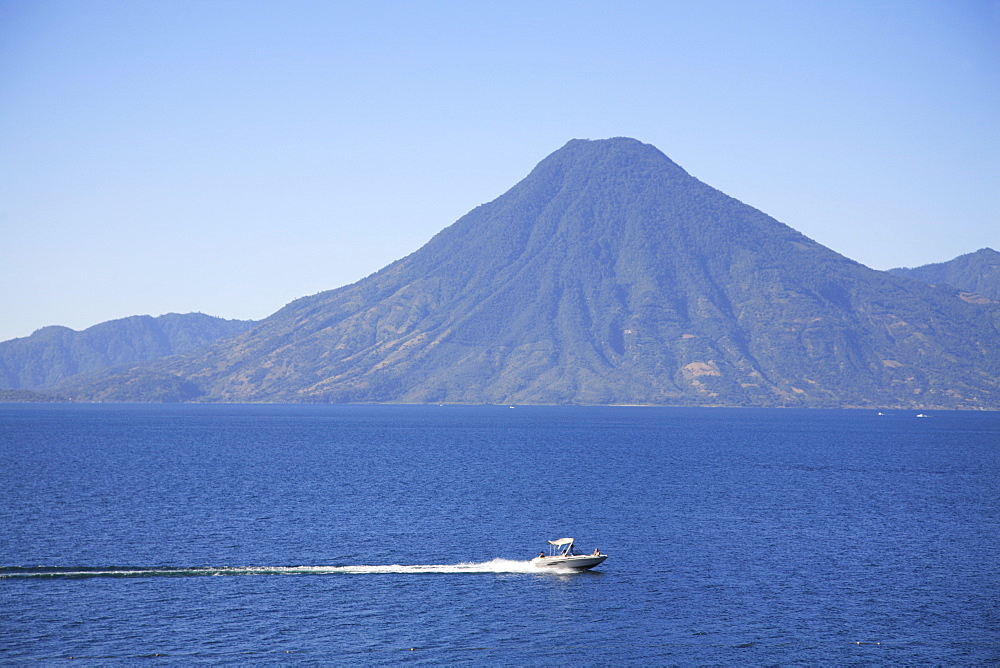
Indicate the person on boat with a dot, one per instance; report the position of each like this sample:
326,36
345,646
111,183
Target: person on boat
597,552
541,555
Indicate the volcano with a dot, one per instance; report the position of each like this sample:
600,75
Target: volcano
609,275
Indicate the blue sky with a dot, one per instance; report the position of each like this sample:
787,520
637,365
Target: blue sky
230,156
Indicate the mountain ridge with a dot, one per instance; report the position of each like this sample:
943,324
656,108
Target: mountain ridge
52,355
977,273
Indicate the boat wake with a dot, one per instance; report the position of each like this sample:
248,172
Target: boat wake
494,566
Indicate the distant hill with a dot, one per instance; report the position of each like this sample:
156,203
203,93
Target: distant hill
977,272
28,396
52,355
608,276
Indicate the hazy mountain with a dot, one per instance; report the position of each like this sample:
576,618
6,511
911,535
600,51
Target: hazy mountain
978,273
28,396
52,355
608,275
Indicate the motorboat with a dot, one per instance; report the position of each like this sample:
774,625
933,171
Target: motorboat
563,555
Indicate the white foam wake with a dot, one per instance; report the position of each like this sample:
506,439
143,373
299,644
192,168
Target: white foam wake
494,566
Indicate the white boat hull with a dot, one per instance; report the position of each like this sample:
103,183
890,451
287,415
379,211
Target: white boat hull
579,562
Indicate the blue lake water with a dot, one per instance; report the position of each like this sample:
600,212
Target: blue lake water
396,534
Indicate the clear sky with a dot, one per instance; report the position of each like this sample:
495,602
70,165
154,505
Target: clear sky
230,156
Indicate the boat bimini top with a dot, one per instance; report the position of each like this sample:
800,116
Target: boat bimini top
568,542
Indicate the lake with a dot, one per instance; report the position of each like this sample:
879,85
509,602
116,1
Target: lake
265,534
